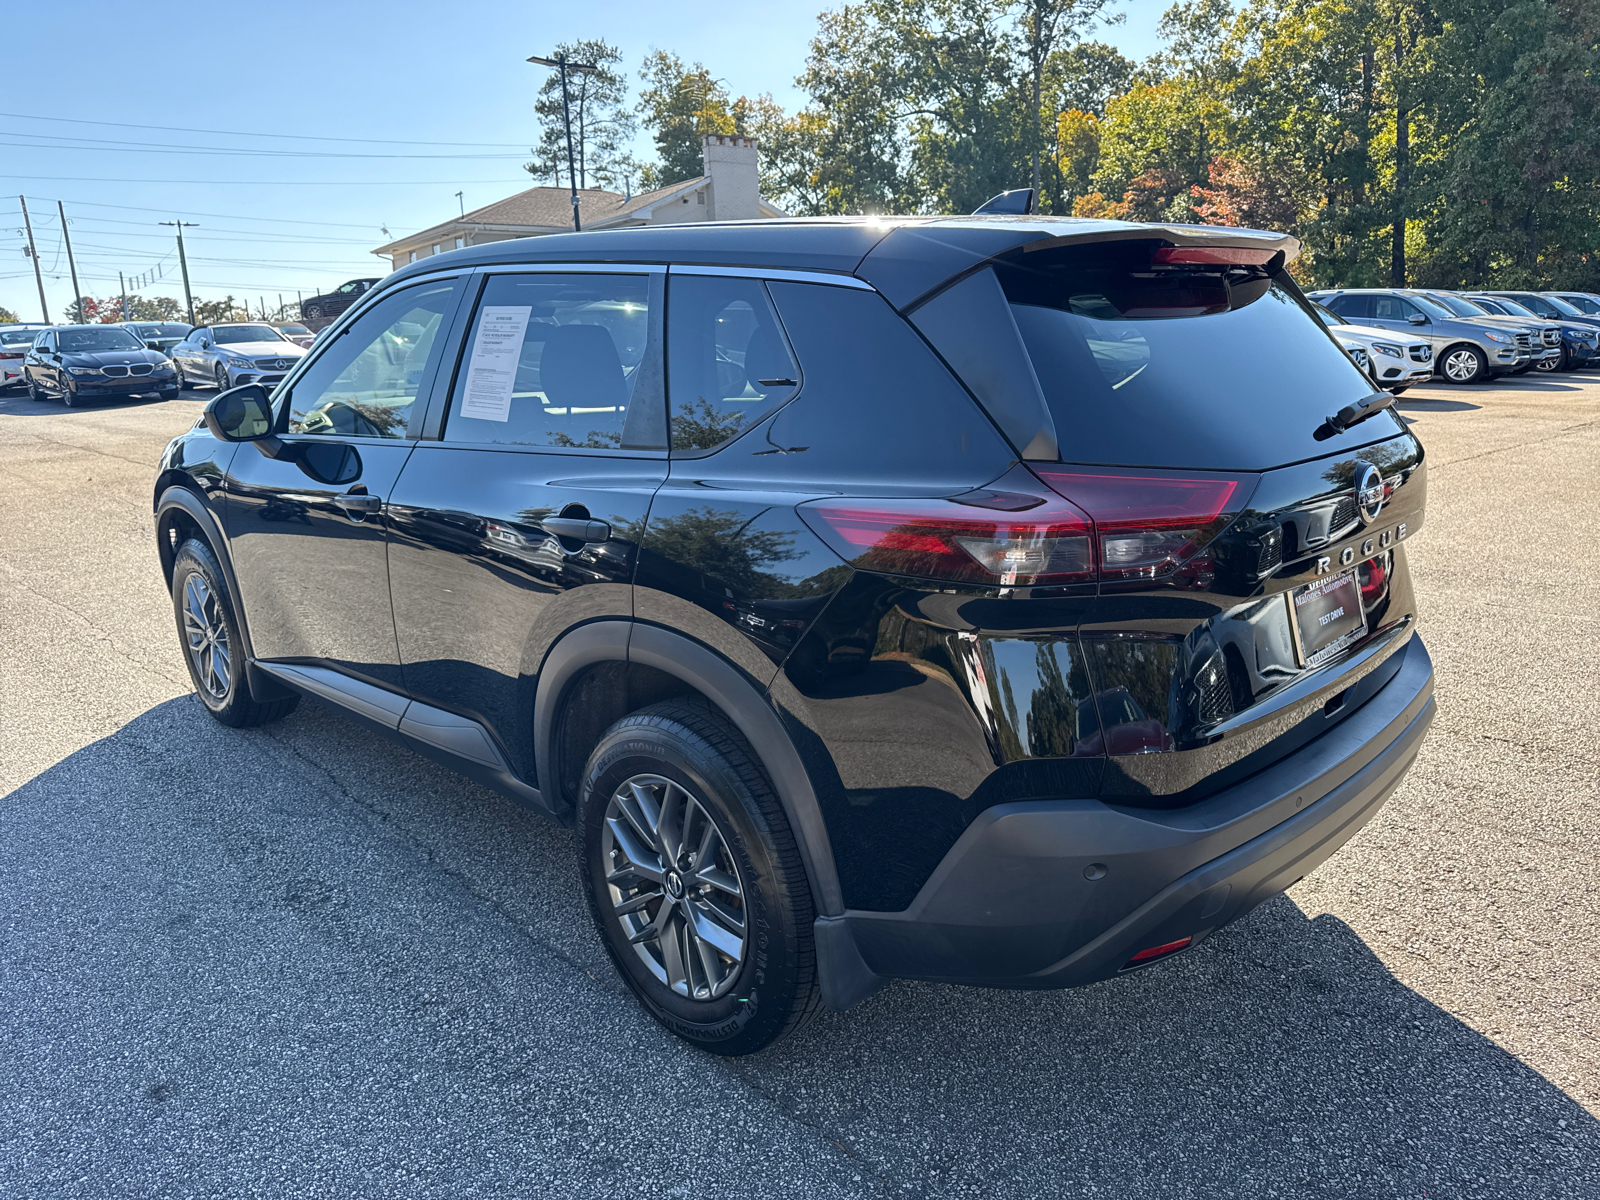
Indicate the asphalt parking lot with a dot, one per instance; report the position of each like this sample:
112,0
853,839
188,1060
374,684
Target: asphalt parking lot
300,961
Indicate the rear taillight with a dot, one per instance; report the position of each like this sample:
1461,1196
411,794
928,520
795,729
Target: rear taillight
996,535
8,354
1149,525
1219,256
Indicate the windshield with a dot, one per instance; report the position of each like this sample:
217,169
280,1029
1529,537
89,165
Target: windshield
1513,309
1561,306
1179,368
293,329
232,335
1461,308
161,331
17,337
92,341
1432,307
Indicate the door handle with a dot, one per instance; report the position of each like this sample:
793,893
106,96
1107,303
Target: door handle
357,504
580,529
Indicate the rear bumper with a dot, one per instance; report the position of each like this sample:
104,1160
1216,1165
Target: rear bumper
1051,894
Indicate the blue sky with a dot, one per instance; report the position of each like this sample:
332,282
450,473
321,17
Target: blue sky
274,214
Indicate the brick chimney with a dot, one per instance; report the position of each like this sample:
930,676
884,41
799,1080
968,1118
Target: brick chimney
730,162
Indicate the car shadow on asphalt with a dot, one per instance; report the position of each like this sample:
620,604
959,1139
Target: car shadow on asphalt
1429,404
17,404
1279,1057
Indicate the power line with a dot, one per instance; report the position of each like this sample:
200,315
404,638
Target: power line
219,216
304,137
106,145
266,182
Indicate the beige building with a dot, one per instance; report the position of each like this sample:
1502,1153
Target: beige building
730,190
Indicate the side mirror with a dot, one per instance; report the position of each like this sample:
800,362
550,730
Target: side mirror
1418,319
241,414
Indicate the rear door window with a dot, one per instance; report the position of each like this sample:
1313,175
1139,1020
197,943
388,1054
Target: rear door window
552,360
1351,306
728,363
1219,369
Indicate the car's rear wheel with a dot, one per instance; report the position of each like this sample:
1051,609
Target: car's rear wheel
1464,364
212,647
695,881
1563,363
312,312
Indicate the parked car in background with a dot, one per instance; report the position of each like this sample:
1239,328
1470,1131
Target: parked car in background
1393,364
1577,342
1580,333
1011,610
1584,302
1474,349
335,302
14,343
90,362
298,334
158,335
231,354
1546,342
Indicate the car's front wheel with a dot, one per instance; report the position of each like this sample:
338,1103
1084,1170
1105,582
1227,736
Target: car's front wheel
212,647
1563,363
1464,364
34,393
313,312
695,881
222,378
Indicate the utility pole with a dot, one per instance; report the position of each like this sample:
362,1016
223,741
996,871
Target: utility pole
77,296
123,284
560,63
33,253
183,262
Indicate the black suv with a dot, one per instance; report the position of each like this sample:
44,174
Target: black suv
999,601
314,308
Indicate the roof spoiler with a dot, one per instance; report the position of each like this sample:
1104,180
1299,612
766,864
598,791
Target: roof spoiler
1018,202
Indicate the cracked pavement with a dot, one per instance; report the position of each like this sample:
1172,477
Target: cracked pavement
300,961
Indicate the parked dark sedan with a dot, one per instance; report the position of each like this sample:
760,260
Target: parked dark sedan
956,600
158,335
85,362
335,302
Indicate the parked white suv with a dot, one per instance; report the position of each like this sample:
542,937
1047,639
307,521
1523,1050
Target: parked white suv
1392,363
1475,348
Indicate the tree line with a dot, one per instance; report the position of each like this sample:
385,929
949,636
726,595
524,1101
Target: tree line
1444,143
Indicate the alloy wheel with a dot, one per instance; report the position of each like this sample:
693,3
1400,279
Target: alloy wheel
1461,366
222,378
206,636
674,887
1548,364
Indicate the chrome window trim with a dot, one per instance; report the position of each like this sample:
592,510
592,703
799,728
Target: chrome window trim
779,274
555,268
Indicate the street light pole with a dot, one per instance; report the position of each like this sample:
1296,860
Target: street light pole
560,63
183,262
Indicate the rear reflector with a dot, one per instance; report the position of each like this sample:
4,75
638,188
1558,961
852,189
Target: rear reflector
1006,538
1149,526
1155,952
1211,256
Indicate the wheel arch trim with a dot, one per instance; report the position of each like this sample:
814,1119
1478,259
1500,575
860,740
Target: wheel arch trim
177,496
739,698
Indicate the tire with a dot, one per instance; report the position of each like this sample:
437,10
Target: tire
676,774
1463,364
206,624
1549,366
312,312
34,393
170,393
67,397
1523,369
223,382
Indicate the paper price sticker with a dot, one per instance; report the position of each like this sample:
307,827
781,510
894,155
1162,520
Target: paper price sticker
492,371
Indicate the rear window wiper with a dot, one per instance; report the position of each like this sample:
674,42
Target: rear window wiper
1354,414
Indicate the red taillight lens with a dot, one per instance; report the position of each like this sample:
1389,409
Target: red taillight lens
1003,538
1373,577
1161,951
1211,256
1149,526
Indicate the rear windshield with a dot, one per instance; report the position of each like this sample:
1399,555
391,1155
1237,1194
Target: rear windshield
1203,368
17,337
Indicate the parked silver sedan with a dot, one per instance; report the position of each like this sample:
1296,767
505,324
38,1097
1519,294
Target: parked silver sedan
228,355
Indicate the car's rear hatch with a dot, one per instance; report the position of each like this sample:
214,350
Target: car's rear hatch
1251,586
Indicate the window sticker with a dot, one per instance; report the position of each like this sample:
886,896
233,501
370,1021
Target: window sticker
496,351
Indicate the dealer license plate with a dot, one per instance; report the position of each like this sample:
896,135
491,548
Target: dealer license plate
1327,617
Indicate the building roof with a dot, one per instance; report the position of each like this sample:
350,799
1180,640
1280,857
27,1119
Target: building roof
539,209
